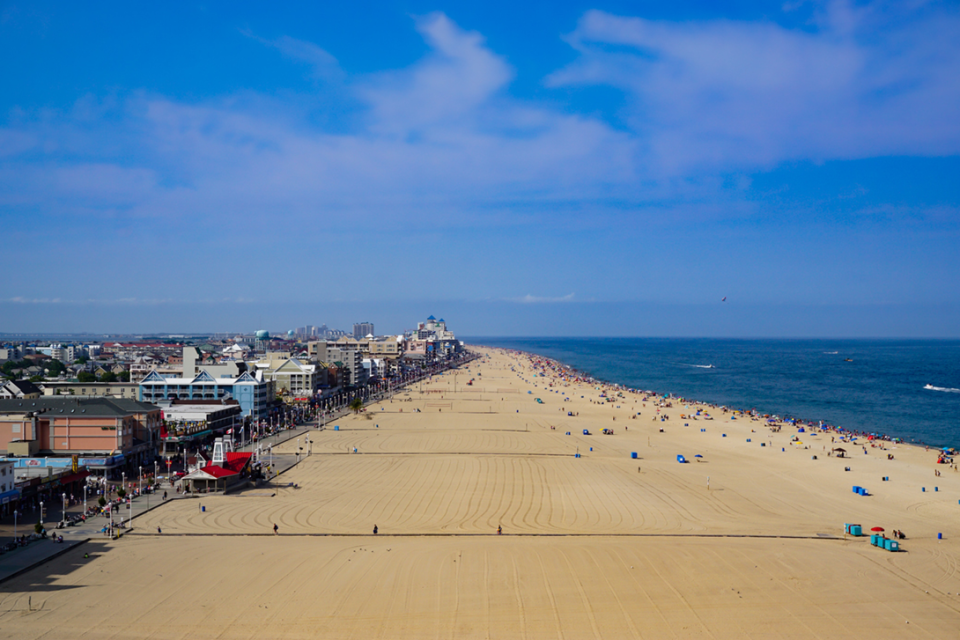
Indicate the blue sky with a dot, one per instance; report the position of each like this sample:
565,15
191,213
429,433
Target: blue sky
553,168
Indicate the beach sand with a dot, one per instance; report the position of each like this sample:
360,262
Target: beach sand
597,546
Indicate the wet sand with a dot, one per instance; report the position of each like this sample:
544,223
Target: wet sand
597,546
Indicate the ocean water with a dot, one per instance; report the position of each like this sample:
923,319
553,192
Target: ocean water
903,388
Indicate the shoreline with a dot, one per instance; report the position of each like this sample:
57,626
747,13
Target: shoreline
821,424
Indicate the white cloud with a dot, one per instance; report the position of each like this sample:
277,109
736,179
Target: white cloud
443,143
324,65
874,80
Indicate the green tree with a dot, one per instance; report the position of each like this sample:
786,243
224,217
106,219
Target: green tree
102,501
55,368
121,493
37,378
81,360
86,376
356,404
109,376
124,376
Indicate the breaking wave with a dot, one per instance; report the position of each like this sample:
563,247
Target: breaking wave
930,387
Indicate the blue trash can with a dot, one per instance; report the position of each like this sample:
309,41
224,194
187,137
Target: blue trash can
203,508
748,439
336,428
633,454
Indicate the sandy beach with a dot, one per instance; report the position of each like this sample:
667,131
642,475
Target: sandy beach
745,541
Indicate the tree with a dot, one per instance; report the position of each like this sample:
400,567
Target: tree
86,376
121,493
81,360
55,368
124,376
109,376
36,378
102,501
357,405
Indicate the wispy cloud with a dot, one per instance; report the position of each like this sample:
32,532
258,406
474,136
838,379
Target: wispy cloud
865,81
529,299
125,301
324,65
445,134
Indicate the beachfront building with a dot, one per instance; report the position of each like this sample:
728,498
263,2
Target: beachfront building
345,354
195,361
434,340
253,393
390,347
376,367
291,376
126,431
188,425
129,390
9,494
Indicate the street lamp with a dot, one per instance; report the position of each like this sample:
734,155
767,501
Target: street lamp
63,513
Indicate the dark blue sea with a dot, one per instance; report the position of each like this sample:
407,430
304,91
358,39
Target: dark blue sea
902,388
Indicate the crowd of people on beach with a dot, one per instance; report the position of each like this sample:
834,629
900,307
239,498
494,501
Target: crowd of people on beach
556,373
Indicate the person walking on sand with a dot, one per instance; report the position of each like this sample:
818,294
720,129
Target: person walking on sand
276,529
375,529
499,529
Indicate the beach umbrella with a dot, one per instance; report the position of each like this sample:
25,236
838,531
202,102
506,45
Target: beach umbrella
878,529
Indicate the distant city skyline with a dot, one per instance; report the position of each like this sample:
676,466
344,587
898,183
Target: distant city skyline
571,168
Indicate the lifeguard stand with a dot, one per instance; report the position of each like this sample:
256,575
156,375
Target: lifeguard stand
221,446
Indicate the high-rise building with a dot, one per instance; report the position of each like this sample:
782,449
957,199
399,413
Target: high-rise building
362,330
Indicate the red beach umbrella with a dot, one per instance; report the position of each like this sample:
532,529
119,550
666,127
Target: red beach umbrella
878,529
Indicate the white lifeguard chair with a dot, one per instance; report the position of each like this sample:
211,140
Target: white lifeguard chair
221,446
